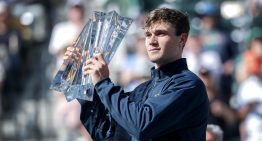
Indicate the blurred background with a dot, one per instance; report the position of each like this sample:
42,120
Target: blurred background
224,48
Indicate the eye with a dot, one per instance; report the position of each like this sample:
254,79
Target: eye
147,34
161,33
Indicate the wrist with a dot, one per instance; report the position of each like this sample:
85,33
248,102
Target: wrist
95,82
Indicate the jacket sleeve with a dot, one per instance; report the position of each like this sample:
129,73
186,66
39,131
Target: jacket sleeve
182,105
96,119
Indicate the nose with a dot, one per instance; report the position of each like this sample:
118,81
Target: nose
152,40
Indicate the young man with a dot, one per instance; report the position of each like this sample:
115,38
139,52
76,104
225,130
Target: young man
173,105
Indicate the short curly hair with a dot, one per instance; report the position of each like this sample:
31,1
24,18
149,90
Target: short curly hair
175,17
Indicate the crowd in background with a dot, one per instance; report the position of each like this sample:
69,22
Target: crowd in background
224,49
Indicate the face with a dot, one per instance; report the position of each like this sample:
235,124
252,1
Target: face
162,44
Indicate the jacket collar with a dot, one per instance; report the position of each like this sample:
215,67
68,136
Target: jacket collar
169,69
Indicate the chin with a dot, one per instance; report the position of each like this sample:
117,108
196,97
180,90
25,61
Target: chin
156,61
152,59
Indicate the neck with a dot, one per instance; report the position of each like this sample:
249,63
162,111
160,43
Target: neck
167,61
158,65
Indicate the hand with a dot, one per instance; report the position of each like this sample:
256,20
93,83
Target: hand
73,53
97,68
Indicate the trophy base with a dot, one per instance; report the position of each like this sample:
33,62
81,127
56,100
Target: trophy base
84,92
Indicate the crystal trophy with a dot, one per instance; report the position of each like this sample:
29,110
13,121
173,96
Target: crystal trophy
82,88
115,39
66,73
74,90
110,32
103,34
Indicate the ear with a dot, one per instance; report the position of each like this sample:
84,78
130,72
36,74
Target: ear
183,39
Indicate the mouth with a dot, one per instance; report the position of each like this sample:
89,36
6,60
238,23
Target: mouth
154,49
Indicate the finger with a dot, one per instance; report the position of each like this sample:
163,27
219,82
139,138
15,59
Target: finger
87,62
72,55
67,55
92,64
78,54
88,72
100,58
74,52
70,48
73,49
68,52
77,51
89,69
95,62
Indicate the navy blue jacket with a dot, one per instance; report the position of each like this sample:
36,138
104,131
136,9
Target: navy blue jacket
172,106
